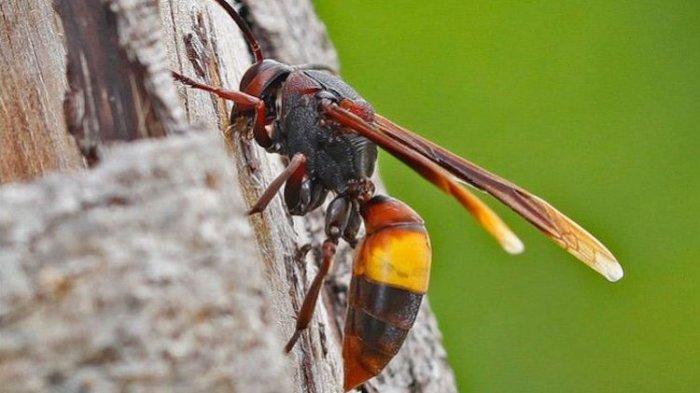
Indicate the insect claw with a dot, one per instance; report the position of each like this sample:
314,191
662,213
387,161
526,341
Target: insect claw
301,252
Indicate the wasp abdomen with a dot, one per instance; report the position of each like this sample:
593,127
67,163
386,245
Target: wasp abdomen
390,277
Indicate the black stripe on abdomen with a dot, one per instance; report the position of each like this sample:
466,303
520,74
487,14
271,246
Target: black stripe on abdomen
375,335
394,306
378,320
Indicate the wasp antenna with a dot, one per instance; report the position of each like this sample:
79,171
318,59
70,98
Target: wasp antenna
247,33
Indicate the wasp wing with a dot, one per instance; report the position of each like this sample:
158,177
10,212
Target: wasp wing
561,229
434,174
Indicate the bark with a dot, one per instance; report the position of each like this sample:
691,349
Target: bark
118,89
117,75
142,275
33,133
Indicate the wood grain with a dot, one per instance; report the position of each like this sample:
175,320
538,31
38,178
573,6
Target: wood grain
33,133
118,83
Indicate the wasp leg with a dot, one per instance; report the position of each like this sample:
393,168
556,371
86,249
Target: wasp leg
302,251
337,217
302,195
307,308
246,102
297,194
353,227
297,164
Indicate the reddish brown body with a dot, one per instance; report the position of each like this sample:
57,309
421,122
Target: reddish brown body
390,276
330,136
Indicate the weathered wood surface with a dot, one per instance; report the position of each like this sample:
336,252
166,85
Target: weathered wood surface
117,75
33,134
199,40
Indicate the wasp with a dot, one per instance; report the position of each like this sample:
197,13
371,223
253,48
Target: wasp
330,136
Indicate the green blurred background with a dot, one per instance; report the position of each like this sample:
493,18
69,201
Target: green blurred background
593,105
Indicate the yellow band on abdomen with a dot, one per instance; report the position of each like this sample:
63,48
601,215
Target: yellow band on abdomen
396,256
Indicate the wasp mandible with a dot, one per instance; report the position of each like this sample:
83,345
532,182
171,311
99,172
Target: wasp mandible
330,135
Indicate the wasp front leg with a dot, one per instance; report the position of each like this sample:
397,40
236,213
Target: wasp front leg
390,276
247,106
296,169
303,195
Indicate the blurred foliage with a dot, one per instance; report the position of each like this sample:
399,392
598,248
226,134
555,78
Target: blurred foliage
593,105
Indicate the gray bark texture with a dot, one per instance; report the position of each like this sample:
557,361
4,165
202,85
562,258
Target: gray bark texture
140,275
144,273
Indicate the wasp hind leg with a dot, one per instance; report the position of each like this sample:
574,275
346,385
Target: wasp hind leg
338,215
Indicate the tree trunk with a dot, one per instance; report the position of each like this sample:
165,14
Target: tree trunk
33,133
146,273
